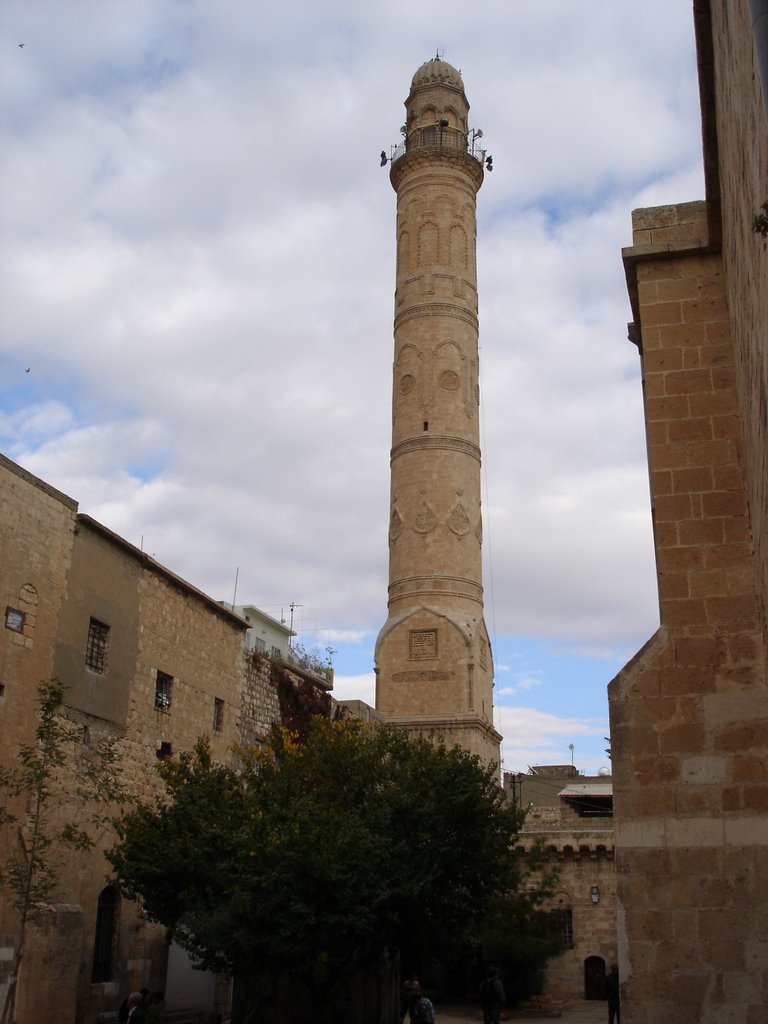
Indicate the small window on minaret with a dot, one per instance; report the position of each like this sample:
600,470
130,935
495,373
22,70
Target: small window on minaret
426,426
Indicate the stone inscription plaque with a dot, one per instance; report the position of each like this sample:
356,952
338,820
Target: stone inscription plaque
423,643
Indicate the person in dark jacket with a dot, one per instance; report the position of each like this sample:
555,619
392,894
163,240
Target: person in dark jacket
410,989
612,995
122,1013
136,1012
421,1010
492,996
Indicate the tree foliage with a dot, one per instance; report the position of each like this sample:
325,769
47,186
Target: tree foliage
312,857
517,936
55,800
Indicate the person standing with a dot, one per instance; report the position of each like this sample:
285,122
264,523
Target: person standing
492,996
410,989
612,995
136,1012
154,1008
421,1010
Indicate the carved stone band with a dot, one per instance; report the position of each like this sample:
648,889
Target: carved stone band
437,309
434,441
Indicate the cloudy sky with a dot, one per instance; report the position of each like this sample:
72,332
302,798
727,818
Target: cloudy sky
197,298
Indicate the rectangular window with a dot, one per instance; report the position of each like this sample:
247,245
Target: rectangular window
258,644
276,652
218,714
163,685
562,925
14,619
96,650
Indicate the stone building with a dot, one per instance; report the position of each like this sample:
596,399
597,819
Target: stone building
689,713
433,661
146,658
571,815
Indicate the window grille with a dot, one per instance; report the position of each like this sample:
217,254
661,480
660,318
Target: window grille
163,685
562,925
96,649
14,619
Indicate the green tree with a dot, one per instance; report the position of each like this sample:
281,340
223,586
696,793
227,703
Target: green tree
313,857
517,936
56,798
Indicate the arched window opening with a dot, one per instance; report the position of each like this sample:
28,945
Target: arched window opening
106,916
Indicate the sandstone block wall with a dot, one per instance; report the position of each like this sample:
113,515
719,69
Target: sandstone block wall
689,715
742,144
583,860
60,570
36,532
582,850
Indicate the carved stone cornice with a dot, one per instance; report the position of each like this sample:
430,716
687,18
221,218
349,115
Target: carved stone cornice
435,160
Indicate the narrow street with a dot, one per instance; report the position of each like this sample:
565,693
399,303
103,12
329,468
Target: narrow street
578,1012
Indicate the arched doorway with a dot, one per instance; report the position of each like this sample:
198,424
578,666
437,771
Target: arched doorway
594,978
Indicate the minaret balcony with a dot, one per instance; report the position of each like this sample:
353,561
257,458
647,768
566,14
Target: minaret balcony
439,139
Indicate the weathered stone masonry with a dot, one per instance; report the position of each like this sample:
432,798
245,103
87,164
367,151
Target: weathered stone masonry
689,714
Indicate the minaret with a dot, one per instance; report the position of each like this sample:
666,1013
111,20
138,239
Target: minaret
434,666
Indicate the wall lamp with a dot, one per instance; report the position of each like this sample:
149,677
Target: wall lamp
594,893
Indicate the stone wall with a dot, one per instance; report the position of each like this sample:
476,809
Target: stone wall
259,700
61,570
157,624
584,859
582,851
36,534
742,179
689,713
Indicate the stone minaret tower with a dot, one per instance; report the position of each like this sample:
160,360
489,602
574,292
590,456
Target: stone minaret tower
434,666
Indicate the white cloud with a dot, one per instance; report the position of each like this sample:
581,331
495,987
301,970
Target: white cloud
199,254
536,737
362,687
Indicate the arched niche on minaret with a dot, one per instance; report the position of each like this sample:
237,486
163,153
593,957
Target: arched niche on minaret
451,385
403,252
428,244
458,247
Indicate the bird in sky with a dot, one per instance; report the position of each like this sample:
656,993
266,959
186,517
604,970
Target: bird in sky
21,46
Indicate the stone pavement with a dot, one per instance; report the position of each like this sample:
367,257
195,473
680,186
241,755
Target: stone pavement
578,1012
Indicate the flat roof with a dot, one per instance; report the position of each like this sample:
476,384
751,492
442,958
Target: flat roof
587,789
